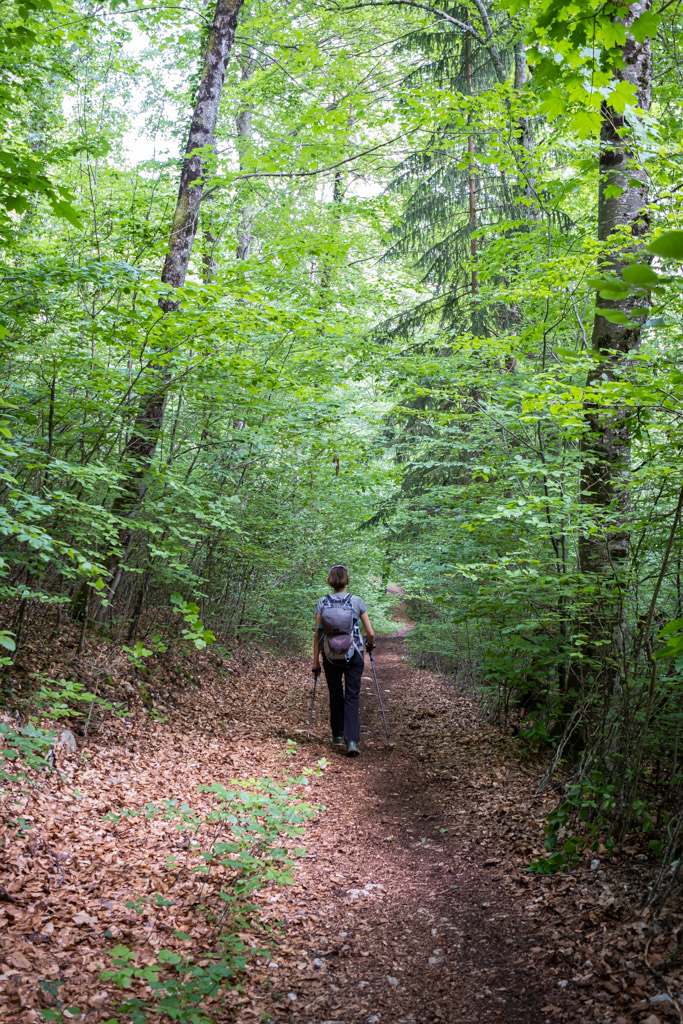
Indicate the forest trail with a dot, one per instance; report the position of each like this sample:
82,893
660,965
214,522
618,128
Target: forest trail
411,905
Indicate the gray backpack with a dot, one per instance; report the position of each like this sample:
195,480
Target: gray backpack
338,619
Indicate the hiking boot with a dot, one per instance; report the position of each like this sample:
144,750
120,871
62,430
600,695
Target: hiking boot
352,749
338,742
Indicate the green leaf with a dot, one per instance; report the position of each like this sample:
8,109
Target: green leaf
614,316
646,26
640,274
622,96
166,956
613,191
609,287
669,245
671,627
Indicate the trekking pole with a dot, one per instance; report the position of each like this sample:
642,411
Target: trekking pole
372,662
316,673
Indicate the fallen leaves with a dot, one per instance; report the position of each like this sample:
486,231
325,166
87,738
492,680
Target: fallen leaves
413,903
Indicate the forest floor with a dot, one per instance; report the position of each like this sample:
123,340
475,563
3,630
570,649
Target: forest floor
411,905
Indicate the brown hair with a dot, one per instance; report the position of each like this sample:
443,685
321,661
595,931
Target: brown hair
338,577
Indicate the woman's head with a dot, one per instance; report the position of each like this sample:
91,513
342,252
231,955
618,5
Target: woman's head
338,577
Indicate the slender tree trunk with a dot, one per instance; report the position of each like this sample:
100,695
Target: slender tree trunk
210,241
524,136
243,123
337,196
202,127
141,447
606,447
471,182
489,41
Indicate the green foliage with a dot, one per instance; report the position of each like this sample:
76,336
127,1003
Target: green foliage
179,986
141,651
58,1015
576,53
243,506
195,631
583,820
669,245
672,635
400,375
251,826
23,748
64,698
7,641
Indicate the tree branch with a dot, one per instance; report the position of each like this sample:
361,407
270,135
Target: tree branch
464,26
489,43
318,170
485,40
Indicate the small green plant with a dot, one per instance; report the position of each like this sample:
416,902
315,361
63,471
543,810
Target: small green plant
58,1015
22,826
156,716
65,698
257,817
290,750
534,733
52,987
254,827
590,804
25,746
141,651
194,631
137,654
179,986
138,904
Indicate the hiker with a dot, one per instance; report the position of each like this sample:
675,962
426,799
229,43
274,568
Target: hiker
337,637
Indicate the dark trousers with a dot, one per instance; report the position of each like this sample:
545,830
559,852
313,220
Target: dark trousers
344,697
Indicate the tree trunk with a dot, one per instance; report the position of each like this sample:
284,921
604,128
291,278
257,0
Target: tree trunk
141,447
210,240
524,136
243,122
606,447
471,187
337,196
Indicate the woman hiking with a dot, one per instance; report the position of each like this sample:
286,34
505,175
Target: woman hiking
337,637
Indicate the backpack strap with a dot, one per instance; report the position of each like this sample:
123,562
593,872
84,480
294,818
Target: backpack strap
329,599
346,603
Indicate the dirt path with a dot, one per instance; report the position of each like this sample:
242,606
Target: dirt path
411,906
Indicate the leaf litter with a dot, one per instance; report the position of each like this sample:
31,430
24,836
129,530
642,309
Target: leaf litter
410,902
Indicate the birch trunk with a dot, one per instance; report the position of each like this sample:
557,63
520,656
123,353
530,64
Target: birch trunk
141,447
243,123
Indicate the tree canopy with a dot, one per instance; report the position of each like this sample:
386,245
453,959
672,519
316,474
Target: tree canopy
386,282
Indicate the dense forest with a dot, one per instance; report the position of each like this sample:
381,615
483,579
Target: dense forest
384,282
